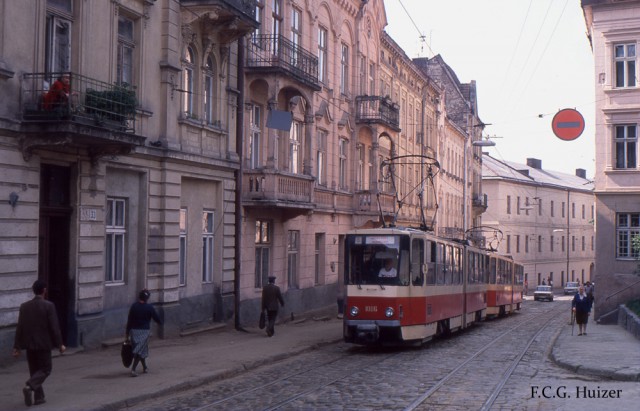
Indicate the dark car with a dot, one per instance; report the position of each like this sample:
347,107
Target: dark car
542,293
571,288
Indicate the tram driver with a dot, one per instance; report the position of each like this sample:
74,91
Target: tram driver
388,271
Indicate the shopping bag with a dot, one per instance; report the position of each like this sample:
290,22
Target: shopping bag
126,353
262,321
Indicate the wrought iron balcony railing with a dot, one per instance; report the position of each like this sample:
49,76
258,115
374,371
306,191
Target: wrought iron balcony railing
480,200
70,97
377,109
277,52
246,7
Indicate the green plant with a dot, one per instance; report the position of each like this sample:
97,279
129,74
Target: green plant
635,249
634,305
118,103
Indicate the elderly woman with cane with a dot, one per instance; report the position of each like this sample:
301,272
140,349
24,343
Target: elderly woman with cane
581,306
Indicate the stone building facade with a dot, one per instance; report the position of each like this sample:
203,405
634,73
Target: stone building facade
613,29
205,145
543,218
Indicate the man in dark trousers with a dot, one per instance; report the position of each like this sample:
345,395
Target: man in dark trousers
270,297
38,332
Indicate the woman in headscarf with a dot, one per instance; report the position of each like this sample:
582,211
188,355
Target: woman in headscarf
139,330
581,306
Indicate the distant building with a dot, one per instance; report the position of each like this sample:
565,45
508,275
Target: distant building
544,218
613,29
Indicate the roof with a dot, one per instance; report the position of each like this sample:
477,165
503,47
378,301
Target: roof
494,169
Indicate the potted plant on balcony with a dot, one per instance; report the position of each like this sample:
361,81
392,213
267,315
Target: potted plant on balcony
117,104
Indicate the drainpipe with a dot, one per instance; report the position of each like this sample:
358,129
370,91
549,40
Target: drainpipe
239,172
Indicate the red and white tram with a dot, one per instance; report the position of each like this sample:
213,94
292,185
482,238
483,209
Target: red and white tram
406,285
504,291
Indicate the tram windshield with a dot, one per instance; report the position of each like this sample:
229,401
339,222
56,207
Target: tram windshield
377,259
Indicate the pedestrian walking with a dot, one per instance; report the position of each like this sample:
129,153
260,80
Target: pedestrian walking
588,289
271,296
138,330
581,305
38,332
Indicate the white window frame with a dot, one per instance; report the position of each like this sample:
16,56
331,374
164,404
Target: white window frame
116,239
625,140
58,44
344,69
207,245
188,81
624,56
360,169
627,227
125,64
295,149
263,252
209,90
322,54
255,159
342,164
321,158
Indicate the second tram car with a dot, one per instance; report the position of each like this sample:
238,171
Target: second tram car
405,286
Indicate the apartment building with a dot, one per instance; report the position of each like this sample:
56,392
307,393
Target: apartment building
543,218
201,146
613,29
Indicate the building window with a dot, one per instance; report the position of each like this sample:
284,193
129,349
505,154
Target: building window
360,170
563,209
322,54
573,243
207,246
296,34
125,64
321,158
116,233
583,212
363,75
256,137
552,239
518,205
584,243
526,243
626,139
627,227
58,44
370,166
551,208
260,19
188,82
508,243
277,20
625,61
539,243
294,147
319,259
182,257
573,210
342,183
508,204
209,90
263,250
372,79
344,69
563,243
293,238
517,244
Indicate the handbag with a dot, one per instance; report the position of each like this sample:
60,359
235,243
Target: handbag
262,321
126,353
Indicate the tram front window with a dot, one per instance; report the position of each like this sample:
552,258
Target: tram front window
377,259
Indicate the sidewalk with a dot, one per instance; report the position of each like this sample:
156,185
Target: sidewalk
96,379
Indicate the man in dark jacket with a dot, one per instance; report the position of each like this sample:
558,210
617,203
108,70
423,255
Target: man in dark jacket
38,332
270,297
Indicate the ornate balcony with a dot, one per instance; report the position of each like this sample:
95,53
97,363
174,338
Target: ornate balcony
377,110
86,113
229,19
274,189
479,202
271,53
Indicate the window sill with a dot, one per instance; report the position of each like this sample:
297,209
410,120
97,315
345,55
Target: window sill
621,170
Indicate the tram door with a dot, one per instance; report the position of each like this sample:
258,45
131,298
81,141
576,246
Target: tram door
418,308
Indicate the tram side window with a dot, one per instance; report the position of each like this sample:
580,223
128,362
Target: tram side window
450,264
441,265
472,264
431,263
457,265
417,262
404,275
492,271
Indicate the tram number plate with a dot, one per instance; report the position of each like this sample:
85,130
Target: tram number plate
371,308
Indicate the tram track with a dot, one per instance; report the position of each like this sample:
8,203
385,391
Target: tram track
335,377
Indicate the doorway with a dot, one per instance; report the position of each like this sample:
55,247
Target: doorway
53,244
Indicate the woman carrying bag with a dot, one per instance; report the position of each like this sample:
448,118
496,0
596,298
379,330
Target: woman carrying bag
139,330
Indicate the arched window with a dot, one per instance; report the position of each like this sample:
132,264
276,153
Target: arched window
209,90
188,82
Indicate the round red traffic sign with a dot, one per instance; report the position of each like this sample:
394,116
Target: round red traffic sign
568,124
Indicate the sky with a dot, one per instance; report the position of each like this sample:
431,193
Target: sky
529,58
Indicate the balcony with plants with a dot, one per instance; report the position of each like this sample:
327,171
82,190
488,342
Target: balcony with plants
80,110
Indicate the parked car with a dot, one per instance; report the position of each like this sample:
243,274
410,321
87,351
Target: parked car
543,292
571,288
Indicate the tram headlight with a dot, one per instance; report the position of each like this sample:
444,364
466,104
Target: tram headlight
354,311
389,312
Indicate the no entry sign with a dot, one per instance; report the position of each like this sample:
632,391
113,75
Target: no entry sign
568,124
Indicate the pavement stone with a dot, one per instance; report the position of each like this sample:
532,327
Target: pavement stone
96,379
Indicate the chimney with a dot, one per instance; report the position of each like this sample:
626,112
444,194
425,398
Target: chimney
581,172
534,163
